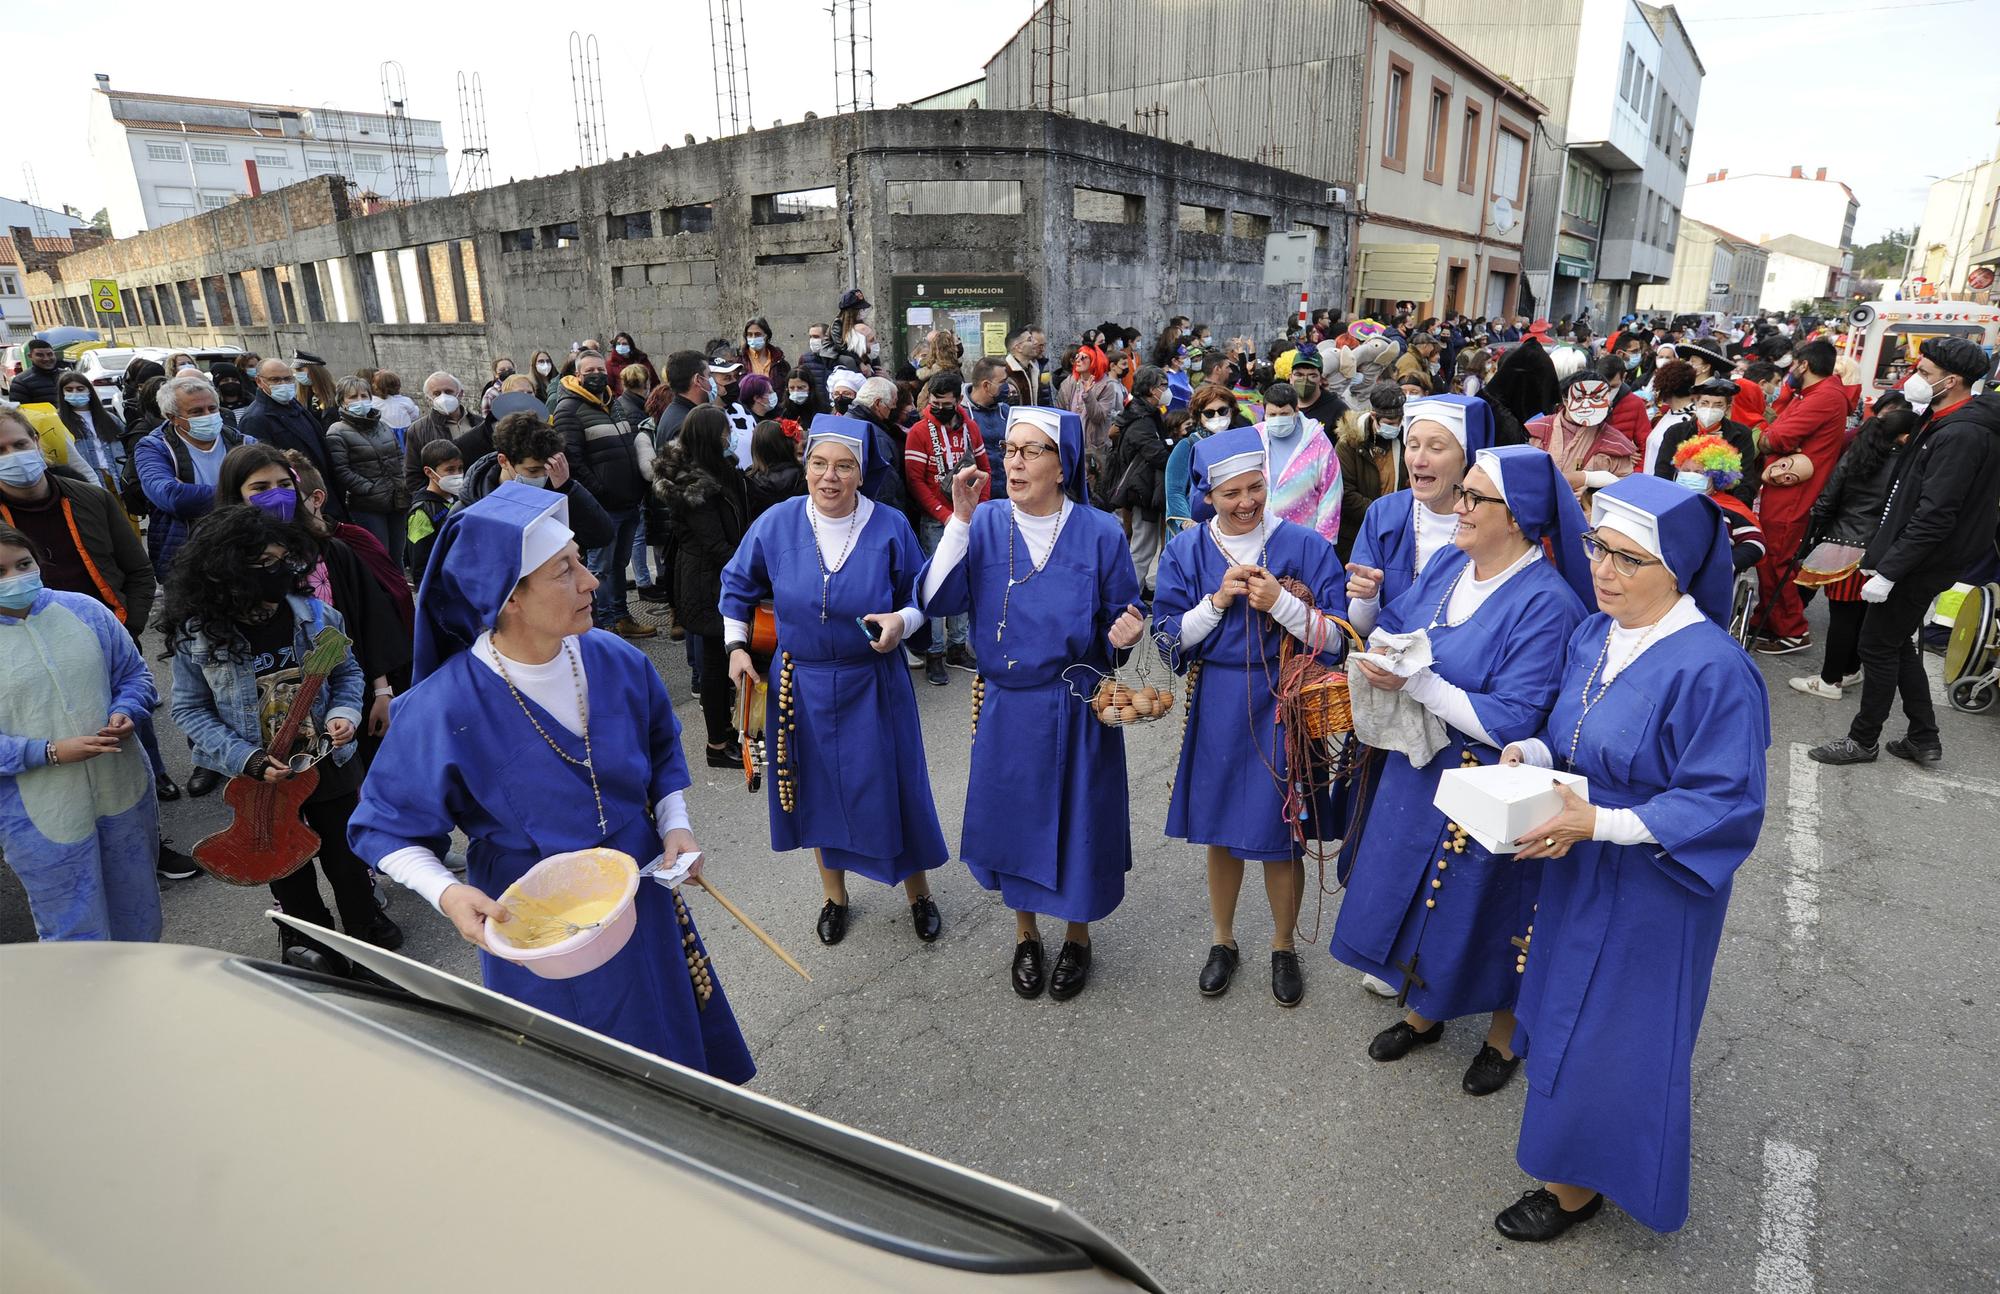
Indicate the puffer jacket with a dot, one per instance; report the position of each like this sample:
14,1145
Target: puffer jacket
1366,472
603,451
1135,474
710,516
1849,510
367,466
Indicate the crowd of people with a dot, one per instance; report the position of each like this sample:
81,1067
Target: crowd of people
1515,517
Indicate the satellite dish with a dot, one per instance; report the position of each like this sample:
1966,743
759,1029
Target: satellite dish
1501,213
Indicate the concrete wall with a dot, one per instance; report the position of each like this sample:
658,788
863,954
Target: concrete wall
678,247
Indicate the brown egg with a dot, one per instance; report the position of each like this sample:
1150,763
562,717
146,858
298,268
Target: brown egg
1146,694
1121,695
1128,714
1166,701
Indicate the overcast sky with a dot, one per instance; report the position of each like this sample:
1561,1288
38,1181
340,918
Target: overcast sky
1849,85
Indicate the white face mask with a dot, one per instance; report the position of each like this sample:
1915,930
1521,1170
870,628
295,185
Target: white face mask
798,397
1216,422
452,484
543,367
1282,425
1708,417
446,404
1696,481
1918,391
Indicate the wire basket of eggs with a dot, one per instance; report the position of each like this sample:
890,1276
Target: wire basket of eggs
1132,693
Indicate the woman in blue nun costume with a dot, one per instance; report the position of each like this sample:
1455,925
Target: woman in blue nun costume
848,779
1401,532
535,735
1636,881
1427,907
1220,602
1049,583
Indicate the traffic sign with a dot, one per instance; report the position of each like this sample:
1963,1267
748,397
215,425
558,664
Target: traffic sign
104,295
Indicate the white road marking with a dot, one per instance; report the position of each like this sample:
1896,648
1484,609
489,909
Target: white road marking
1802,821
1785,1225
1936,787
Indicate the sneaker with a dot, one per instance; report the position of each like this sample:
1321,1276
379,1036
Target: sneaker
1814,685
1844,751
173,865
1778,646
1379,987
1904,748
630,628
1851,679
961,657
934,671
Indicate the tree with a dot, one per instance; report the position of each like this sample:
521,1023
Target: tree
101,222
1883,258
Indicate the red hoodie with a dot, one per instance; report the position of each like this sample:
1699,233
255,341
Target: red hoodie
929,453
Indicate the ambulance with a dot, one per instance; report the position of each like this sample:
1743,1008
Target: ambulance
1886,335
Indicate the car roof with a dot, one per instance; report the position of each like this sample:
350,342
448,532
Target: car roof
191,1096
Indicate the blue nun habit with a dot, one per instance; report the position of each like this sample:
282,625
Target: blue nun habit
1420,894
1387,539
1229,783
462,752
1046,816
1625,939
853,742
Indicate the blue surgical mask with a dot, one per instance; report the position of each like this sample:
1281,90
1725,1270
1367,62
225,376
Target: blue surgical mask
358,409
622,348
1696,481
756,343
713,390
18,592
1281,425
284,392
205,427
24,468
1632,360
77,399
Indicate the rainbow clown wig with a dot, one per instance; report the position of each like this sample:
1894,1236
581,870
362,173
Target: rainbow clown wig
1714,458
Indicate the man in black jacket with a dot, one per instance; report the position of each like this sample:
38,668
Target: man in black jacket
1940,516
276,418
603,452
687,377
36,383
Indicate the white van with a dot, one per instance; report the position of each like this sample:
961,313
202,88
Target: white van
1886,336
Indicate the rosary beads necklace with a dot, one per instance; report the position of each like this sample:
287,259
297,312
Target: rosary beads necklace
1015,539
1576,737
819,548
583,714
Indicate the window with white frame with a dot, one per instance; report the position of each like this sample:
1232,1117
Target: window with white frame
168,195
10,285
1509,159
165,153
209,153
320,163
212,201
1645,104
368,163
1625,74
267,158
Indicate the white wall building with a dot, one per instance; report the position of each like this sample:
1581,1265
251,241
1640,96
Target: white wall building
1761,207
49,227
164,157
1800,269
1961,223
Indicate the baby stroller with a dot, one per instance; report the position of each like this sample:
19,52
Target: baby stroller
1743,607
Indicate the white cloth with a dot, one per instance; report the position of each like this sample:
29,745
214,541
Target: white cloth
1598,480
1654,441
1446,414
551,686
1446,700
1243,550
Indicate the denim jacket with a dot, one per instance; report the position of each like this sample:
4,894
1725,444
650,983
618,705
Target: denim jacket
215,702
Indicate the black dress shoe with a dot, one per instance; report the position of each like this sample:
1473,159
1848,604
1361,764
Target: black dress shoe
726,757
1903,748
166,788
832,922
924,915
1489,1071
1394,1042
321,961
1028,968
1537,1216
202,781
172,864
1216,974
1072,970
1287,984
382,932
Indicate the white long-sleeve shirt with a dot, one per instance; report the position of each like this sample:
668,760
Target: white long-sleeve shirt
1289,613
565,695
835,536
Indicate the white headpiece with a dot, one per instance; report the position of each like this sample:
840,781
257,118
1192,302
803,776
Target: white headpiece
844,379
546,535
1226,469
1489,462
1046,421
1448,414
1639,525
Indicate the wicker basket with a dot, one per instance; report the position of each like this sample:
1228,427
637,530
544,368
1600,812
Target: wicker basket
1322,708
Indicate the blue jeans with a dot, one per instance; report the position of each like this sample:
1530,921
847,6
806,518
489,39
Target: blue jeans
642,556
946,631
608,565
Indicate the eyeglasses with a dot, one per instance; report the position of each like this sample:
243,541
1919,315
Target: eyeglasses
1026,453
1472,498
1626,564
841,470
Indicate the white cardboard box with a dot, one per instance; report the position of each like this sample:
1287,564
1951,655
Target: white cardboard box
1498,804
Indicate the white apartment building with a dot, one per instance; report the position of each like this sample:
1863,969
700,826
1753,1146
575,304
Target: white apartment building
1713,270
1800,269
1960,232
164,157
1762,206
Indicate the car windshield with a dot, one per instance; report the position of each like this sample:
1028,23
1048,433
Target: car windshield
848,1198
1902,342
111,361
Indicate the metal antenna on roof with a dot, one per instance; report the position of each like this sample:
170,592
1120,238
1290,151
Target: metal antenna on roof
853,40
731,64
1048,79
586,92
404,179
475,170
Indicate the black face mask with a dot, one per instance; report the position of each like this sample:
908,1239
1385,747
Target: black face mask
503,374
944,412
842,403
597,383
272,583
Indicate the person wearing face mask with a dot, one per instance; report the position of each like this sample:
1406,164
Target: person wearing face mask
1673,394
447,419
1710,465
758,400
503,368
1754,392
179,463
444,477
1628,416
1303,472
542,370
1579,436
1134,477
1707,415
1369,443
939,446
602,448
1092,394
761,355
841,388
1420,359
625,353
230,388
1214,409
1315,401
802,403
79,822
97,437
1938,522
368,467
1799,450
278,416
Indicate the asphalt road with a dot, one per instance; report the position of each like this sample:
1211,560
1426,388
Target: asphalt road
1846,1137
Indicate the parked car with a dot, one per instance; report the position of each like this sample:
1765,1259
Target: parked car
179,1118
104,367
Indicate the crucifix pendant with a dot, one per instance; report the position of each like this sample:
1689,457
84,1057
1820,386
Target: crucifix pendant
1410,979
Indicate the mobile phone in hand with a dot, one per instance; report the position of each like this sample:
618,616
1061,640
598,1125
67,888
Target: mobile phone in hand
873,630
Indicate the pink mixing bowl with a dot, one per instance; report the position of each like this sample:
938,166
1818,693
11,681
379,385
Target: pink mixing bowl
588,873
